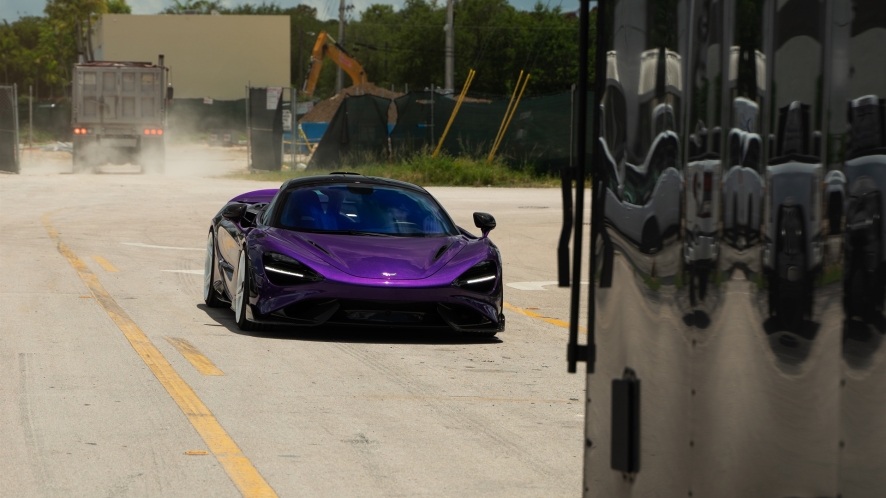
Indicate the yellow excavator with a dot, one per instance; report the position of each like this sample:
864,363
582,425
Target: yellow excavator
327,47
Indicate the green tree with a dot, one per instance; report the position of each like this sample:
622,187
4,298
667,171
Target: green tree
491,36
396,47
195,6
265,9
373,40
76,16
118,7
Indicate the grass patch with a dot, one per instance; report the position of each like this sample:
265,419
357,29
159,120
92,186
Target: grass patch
41,136
422,169
830,275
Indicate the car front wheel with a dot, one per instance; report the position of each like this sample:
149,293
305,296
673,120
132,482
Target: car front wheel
210,296
241,297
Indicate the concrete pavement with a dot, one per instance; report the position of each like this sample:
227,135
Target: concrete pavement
314,413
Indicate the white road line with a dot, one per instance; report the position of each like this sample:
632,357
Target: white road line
192,272
139,244
534,286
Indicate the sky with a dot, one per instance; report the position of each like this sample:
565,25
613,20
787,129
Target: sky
11,10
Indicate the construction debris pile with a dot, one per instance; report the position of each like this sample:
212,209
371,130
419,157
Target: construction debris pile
326,109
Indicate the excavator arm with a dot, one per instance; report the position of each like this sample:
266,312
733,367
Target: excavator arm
327,47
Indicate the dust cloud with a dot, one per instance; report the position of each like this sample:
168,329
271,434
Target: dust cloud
182,160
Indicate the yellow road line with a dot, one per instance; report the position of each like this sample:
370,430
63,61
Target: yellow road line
104,263
238,467
552,321
203,364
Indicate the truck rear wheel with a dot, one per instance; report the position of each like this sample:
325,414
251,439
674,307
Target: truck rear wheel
80,155
152,155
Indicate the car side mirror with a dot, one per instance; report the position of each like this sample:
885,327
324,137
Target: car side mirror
169,93
234,212
485,222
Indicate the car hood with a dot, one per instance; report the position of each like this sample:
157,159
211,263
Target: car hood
385,258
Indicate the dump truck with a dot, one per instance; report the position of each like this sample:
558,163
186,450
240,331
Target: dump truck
119,114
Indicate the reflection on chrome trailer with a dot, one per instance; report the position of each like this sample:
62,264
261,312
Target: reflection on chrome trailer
744,354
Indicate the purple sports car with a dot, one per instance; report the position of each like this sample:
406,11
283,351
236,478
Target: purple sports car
352,250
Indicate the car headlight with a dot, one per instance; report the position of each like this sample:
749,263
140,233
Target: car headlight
285,271
479,278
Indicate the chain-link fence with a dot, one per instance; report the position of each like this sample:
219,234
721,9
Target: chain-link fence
9,150
52,119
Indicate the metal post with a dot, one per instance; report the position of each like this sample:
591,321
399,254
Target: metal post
293,126
301,77
341,41
432,117
572,126
17,153
248,135
598,198
572,354
31,121
449,79
566,176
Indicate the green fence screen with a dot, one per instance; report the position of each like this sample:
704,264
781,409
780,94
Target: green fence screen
539,134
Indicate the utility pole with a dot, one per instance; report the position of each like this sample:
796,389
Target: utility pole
31,121
341,41
301,66
449,79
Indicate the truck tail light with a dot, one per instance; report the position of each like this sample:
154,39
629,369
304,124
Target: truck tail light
80,131
153,131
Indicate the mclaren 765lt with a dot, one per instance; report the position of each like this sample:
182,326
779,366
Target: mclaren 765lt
352,250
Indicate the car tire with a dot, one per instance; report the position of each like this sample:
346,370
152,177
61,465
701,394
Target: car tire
241,295
651,238
210,296
480,335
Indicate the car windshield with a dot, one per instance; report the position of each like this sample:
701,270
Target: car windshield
360,209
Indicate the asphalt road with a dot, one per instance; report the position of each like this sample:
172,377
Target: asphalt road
116,380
